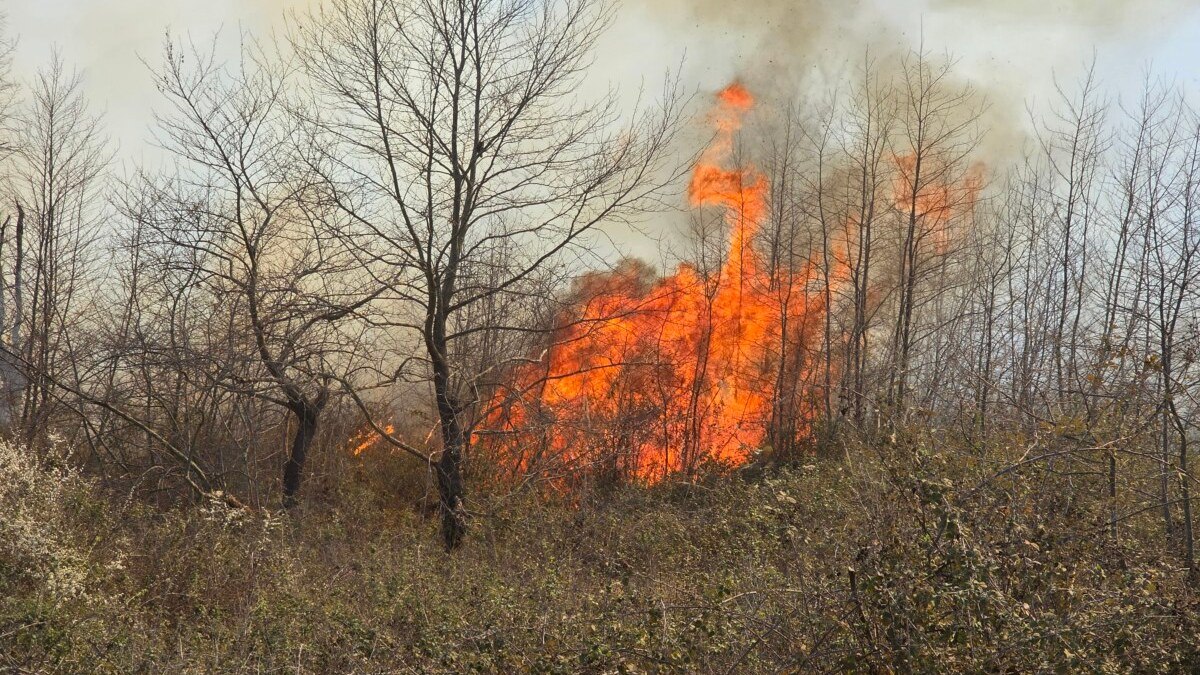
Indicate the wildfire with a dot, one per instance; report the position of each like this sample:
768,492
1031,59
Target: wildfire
938,201
650,377
366,438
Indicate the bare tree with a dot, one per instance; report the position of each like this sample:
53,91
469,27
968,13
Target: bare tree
865,139
937,136
238,223
11,229
61,158
450,128
1073,144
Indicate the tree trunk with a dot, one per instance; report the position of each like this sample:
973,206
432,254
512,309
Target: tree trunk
451,491
1189,538
308,416
1185,477
16,378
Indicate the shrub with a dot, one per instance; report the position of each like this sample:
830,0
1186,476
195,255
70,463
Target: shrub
891,561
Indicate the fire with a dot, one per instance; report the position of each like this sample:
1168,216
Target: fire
938,201
648,377
366,438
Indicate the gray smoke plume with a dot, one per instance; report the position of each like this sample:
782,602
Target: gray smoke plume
1012,51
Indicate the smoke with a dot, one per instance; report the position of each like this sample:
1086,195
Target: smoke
772,44
1015,53
108,41
1101,17
788,32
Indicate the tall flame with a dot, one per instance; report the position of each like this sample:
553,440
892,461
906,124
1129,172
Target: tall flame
650,377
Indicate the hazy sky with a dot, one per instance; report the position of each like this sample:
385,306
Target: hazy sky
1011,46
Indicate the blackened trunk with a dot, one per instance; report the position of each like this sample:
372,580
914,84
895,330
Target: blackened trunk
307,418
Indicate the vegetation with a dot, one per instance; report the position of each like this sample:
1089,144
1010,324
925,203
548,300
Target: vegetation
896,561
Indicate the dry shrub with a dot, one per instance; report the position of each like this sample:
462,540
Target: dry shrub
887,561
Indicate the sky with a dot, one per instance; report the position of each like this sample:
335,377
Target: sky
1012,49
1015,47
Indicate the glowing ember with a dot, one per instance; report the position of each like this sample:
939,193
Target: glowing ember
650,377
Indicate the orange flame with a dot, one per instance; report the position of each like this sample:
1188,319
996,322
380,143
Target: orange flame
650,377
366,438
937,202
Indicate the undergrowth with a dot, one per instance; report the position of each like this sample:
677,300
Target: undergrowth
886,559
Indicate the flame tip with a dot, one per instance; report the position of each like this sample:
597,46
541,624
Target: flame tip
736,95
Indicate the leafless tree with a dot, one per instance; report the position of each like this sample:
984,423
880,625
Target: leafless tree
937,135
864,139
61,158
449,129
237,226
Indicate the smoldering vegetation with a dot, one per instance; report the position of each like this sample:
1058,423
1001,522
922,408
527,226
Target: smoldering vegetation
353,383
